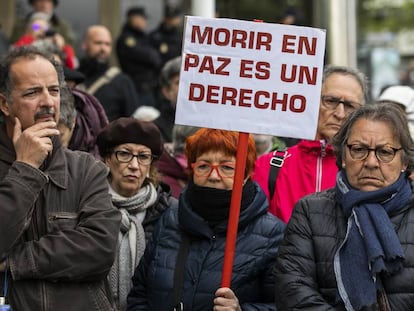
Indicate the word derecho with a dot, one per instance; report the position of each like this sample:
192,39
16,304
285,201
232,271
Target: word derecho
249,68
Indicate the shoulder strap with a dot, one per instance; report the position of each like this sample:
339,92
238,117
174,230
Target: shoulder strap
276,162
179,271
106,78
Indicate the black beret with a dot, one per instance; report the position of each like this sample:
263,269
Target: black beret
136,11
129,130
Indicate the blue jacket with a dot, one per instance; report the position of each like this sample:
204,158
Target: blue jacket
259,236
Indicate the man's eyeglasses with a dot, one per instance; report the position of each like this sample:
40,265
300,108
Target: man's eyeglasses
204,169
331,102
384,154
144,158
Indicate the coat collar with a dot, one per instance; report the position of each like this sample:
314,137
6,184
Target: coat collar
55,165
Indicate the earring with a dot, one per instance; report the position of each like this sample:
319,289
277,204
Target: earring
343,165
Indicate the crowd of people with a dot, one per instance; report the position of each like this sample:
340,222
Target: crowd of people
107,204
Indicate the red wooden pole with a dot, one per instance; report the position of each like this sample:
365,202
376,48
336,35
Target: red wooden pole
236,196
234,209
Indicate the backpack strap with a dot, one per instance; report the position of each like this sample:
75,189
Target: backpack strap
179,272
111,73
276,162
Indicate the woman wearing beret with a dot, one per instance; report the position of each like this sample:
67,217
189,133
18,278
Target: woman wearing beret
199,225
129,147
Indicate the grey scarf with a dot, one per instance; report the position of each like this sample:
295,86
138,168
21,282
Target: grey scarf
131,240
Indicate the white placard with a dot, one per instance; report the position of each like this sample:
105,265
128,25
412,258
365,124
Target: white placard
251,77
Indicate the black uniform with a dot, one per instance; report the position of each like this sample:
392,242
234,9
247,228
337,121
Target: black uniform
168,41
140,60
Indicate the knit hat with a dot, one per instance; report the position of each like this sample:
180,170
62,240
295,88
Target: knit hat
129,130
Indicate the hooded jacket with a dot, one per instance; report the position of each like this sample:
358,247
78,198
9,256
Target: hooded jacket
309,166
58,230
257,243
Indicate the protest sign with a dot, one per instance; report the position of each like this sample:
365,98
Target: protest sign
251,77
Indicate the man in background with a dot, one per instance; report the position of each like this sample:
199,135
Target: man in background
167,38
137,57
310,165
113,88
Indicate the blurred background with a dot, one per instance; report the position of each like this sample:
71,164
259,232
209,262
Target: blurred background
377,36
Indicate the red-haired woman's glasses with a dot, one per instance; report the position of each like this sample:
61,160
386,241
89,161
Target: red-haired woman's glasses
204,169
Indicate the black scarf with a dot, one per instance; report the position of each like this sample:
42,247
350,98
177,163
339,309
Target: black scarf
213,204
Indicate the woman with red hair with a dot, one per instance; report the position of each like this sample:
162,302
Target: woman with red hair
182,265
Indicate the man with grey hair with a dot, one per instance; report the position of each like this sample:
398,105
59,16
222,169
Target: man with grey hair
58,228
310,165
113,88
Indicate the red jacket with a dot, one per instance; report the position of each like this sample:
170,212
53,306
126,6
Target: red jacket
308,167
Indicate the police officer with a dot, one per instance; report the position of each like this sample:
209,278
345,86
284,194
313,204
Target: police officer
137,57
167,38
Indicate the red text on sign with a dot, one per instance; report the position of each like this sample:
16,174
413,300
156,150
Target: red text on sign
235,38
215,94
207,64
262,69
300,45
299,74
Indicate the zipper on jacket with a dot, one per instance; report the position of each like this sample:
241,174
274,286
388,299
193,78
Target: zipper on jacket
319,166
44,296
62,216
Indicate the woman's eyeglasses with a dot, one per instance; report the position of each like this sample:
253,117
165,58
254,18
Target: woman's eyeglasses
144,158
204,169
384,154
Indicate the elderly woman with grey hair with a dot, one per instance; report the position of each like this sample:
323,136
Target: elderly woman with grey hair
352,247
129,148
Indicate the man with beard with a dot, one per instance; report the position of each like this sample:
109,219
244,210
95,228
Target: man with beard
113,88
58,228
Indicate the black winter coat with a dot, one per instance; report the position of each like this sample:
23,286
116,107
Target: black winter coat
304,272
257,243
